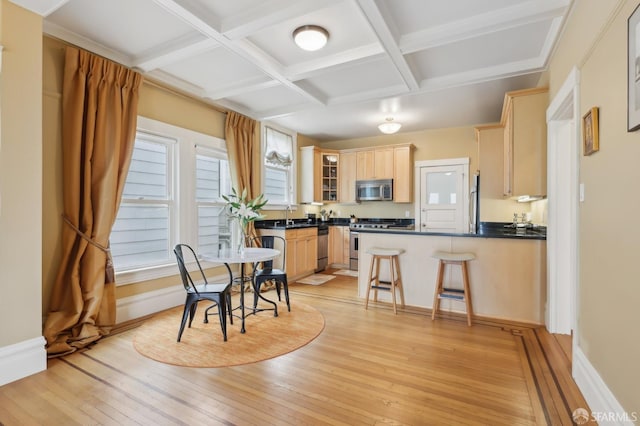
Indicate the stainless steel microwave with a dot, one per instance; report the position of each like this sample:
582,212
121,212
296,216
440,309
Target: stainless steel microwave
374,190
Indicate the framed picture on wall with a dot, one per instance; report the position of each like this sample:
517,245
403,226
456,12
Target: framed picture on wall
590,140
633,71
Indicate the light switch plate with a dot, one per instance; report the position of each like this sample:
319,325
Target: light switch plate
581,192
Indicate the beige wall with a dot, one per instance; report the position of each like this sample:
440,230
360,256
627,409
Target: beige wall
608,291
20,175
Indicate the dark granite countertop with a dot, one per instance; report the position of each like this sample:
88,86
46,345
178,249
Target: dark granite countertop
487,230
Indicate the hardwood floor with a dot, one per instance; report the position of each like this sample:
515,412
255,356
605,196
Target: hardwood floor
366,367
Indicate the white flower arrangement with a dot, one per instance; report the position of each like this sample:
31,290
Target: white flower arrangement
244,210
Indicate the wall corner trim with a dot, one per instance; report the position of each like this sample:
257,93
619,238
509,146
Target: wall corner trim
595,390
22,359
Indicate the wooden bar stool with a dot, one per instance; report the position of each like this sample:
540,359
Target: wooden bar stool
461,295
395,277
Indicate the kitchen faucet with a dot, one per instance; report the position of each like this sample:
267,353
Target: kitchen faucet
287,221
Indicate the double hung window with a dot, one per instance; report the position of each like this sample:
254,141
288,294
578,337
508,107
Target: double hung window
172,194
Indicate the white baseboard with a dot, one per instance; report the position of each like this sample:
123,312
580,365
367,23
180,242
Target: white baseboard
140,305
22,359
605,408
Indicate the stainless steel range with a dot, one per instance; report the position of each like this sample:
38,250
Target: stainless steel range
371,224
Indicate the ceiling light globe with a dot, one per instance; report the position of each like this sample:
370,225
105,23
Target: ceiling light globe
310,37
389,127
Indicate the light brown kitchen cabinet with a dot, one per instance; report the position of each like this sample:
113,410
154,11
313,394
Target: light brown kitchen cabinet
334,172
490,140
375,163
319,175
302,250
403,173
525,143
347,172
383,159
303,246
329,163
365,164
339,246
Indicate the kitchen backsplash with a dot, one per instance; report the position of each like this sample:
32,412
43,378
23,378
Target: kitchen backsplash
490,210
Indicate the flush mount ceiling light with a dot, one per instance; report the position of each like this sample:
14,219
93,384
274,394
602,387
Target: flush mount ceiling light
310,37
389,126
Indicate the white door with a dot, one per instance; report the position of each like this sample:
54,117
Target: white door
443,197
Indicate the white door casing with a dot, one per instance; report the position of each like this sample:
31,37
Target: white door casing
442,195
563,151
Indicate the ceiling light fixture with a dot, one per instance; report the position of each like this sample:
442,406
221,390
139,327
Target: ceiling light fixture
310,37
389,126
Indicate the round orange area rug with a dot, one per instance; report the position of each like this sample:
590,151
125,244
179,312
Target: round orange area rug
202,345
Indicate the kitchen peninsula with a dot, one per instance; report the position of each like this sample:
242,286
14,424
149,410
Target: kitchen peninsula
508,276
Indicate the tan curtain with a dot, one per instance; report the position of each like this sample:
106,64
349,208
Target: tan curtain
241,135
99,114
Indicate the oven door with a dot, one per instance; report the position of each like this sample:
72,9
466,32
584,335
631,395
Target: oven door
353,250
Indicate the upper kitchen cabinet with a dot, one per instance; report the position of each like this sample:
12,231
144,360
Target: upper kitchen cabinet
403,173
347,172
329,162
330,176
319,175
525,143
375,163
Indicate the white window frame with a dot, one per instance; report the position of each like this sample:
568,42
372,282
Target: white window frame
292,175
183,187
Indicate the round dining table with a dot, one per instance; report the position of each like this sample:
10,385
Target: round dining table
251,255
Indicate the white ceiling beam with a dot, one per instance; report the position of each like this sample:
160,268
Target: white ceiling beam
241,87
175,51
185,11
485,23
333,62
268,13
363,96
512,69
552,37
284,111
371,11
384,92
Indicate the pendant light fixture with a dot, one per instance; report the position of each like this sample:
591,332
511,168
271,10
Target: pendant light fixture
389,127
310,37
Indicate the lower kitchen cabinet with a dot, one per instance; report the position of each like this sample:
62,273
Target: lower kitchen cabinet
339,246
302,250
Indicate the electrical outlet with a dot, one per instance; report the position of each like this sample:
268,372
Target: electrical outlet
406,213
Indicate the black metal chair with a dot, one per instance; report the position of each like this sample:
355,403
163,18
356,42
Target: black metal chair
268,272
218,293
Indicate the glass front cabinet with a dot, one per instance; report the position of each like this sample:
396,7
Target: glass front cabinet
329,174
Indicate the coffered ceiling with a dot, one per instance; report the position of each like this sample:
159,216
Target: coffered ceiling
426,63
